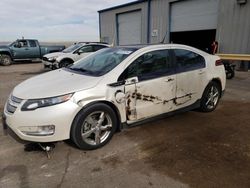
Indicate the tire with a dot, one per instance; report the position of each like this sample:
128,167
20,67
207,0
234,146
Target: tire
5,60
64,63
93,127
210,97
230,74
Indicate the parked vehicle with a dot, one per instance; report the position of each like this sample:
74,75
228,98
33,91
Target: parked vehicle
25,49
230,69
90,100
71,54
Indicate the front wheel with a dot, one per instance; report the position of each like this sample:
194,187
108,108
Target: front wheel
210,97
64,63
5,60
94,126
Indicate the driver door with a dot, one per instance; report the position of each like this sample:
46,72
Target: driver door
20,49
150,86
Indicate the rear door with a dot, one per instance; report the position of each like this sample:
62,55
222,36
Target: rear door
190,77
150,85
34,49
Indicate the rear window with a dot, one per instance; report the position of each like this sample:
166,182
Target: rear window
187,60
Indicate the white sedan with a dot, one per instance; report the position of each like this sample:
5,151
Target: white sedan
92,99
71,54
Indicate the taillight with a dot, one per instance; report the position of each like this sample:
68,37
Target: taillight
218,62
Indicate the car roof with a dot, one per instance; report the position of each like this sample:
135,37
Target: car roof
96,43
148,46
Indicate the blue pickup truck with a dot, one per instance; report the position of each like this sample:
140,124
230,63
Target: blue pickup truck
25,49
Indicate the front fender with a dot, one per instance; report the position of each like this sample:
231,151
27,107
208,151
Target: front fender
6,51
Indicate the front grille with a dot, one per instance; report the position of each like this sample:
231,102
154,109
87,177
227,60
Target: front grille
12,104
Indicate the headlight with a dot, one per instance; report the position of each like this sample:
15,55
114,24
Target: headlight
33,104
52,58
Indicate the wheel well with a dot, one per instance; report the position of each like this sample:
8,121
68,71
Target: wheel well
6,53
217,80
110,104
67,59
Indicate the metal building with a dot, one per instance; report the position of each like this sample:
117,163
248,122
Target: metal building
193,22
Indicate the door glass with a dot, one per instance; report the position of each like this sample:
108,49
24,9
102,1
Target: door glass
32,43
98,47
23,43
86,49
187,60
148,66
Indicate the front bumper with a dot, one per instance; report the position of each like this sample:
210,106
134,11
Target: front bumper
60,116
50,65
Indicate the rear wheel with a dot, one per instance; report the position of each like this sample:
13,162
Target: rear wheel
5,60
93,127
211,97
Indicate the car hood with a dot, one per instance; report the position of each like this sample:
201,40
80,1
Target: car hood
54,83
54,54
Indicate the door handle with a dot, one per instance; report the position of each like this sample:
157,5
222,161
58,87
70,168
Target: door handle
26,48
169,80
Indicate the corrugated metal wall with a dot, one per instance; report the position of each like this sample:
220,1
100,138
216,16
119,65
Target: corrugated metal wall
233,30
159,20
108,22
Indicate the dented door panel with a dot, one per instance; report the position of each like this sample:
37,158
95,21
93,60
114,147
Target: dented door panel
189,87
150,98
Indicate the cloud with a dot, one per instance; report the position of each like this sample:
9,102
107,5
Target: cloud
52,20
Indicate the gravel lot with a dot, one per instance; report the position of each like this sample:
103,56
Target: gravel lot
192,149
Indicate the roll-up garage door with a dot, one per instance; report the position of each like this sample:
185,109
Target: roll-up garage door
129,28
191,15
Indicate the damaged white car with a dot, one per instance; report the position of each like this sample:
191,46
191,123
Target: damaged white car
93,98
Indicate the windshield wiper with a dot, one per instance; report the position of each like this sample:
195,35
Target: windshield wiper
81,70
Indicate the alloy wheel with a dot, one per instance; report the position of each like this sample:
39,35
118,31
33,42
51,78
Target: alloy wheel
96,128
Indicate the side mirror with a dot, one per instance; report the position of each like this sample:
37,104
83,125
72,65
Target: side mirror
132,80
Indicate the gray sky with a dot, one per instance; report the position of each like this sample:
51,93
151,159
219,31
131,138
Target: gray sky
52,20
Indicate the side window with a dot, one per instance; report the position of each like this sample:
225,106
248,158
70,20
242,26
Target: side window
187,60
148,66
86,49
23,43
98,47
32,43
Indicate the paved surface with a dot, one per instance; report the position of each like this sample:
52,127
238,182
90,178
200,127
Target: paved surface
187,150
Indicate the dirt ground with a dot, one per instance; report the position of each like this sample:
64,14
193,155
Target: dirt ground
192,149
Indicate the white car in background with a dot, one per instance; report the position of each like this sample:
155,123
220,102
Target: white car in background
91,99
71,54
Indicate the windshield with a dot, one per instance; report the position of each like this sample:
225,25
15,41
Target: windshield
102,61
12,43
72,48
